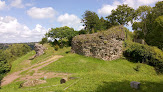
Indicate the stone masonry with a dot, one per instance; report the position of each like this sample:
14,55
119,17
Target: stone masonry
106,45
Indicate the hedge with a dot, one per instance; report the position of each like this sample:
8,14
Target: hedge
144,54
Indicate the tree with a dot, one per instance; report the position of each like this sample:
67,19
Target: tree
91,21
122,15
18,50
141,14
4,64
44,40
82,31
62,33
150,24
155,37
103,24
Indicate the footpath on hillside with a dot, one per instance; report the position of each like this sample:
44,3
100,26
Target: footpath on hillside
36,75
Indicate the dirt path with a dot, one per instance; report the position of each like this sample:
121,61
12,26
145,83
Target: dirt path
11,77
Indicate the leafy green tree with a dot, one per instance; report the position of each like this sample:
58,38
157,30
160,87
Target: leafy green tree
18,50
9,55
149,26
82,31
155,36
44,40
91,21
141,14
62,33
4,64
103,25
122,15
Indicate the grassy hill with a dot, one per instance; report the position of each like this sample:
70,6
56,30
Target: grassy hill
91,75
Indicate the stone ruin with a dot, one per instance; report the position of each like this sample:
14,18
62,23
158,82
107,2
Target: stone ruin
39,49
106,45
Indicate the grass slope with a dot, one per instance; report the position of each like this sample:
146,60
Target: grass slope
94,75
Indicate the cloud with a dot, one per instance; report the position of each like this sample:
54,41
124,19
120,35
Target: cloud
41,13
11,31
70,20
136,3
2,5
147,2
17,4
106,9
28,4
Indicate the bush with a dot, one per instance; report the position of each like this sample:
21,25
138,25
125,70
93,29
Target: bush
56,47
44,40
145,54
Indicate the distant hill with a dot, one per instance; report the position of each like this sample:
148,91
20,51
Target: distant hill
6,45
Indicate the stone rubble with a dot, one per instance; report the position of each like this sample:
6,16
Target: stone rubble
107,45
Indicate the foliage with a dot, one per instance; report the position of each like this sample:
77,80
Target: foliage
155,37
149,26
82,31
122,15
56,47
91,21
44,40
18,50
62,33
145,54
10,54
4,64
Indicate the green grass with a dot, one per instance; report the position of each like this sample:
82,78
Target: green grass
94,75
21,62
49,52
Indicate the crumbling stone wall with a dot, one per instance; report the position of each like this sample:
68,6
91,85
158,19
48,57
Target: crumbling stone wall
106,45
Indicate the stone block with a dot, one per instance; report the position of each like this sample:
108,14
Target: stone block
135,84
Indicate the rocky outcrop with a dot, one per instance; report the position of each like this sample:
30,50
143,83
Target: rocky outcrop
39,49
106,45
32,83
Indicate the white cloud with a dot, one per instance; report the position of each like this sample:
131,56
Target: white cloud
106,9
41,13
12,31
147,2
131,3
2,5
70,20
17,4
136,3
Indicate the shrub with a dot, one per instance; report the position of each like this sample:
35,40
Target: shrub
44,40
56,47
145,54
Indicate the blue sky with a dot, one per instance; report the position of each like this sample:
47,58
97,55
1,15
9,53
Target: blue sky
29,20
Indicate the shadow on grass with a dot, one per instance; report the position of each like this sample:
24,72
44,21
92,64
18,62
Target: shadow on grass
124,86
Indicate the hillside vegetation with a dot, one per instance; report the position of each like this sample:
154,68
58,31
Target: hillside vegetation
90,74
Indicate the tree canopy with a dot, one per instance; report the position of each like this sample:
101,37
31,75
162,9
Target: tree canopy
122,15
61,33
149,26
